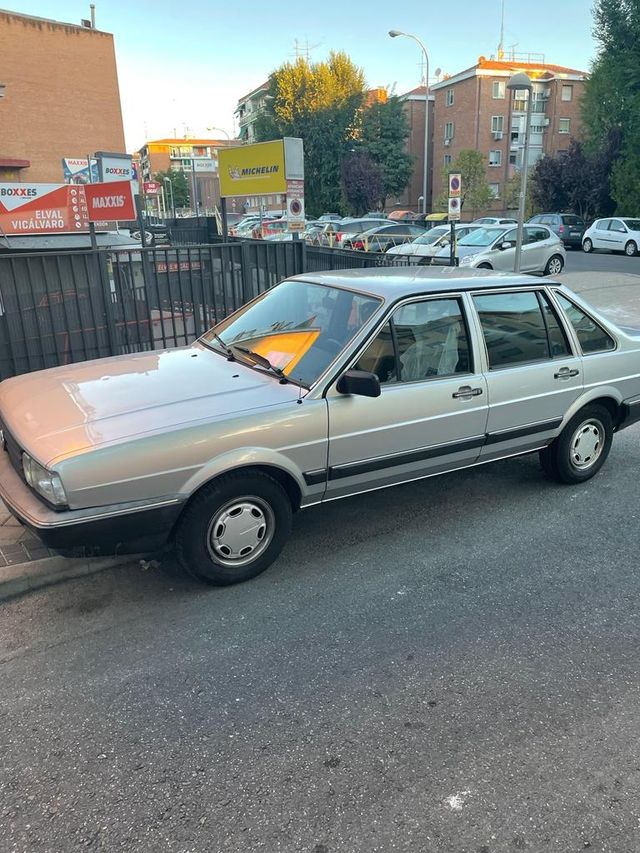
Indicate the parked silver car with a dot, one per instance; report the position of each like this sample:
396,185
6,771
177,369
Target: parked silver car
494,248
328,385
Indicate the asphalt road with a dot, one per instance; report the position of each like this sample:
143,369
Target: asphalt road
448,666
579,261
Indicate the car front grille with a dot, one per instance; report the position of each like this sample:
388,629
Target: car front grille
14,450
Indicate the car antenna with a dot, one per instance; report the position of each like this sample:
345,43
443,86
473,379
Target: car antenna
299,400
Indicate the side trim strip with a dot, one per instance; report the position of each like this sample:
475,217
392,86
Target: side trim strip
521,432
314,478
353,469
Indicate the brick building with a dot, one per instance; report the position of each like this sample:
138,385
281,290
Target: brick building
60,96
475,110
414,102
182,155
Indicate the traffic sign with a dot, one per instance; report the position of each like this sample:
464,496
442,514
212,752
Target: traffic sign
455,185
454,209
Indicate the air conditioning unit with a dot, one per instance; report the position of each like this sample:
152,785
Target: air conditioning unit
498,134
447,141
545,122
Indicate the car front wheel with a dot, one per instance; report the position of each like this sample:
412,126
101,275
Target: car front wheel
485,267
234,528
554,265
587,245
582,447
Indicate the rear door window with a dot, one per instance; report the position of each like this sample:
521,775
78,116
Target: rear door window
515,328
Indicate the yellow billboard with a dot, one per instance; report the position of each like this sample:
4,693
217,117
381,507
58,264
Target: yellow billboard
252,169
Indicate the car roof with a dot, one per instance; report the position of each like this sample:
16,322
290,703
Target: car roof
395,282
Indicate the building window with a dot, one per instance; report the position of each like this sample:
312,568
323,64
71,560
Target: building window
495,158
567,93
449,97
564,125
498,89
513,159
497,124
447,159
495,190
448,130
537,128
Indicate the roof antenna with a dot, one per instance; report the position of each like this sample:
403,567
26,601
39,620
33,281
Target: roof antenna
501,45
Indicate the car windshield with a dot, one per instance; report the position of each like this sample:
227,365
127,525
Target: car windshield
430,237
298,326
632,224
481,237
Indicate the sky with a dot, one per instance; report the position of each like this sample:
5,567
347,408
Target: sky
183,66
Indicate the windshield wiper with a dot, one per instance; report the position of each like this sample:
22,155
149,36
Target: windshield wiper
262,361
227,349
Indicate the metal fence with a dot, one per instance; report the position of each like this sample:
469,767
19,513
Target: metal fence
59,308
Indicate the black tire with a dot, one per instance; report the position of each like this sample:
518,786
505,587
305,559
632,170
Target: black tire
587,245
484,267
201,553
631,249
553,262
559,460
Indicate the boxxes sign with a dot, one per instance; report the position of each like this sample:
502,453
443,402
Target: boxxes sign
42,209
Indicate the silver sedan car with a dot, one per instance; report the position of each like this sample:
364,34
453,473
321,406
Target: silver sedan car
326,386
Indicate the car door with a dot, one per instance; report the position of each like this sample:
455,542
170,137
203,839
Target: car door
504,259
432,411
616,235
533,375
534,248
600,237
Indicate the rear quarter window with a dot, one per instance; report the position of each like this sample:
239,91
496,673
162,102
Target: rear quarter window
591,336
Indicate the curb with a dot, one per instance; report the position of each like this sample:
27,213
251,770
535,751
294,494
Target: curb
24,577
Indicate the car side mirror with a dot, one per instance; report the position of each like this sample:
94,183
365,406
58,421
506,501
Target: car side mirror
507,244
360,383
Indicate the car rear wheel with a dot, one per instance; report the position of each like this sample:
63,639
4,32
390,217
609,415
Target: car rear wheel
234,528
582,447
587,245
631,249
554,265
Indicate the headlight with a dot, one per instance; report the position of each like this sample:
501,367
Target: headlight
468,260
46,483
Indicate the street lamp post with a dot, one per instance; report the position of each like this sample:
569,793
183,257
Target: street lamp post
520,82
425,172
167,180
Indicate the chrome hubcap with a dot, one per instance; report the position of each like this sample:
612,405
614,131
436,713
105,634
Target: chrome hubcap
555,266
631,249
586,444
240,531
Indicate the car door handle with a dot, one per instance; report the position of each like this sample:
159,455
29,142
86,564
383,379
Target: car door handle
465,392
565,373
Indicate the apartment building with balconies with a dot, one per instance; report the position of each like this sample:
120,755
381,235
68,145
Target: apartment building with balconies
475,110
249,108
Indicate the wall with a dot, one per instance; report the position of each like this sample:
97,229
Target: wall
61,98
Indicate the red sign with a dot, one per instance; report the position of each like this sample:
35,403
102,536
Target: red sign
113,200
42,209
152,187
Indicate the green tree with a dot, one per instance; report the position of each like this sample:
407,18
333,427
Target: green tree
384,131
181,197
611,104
320,103
476,192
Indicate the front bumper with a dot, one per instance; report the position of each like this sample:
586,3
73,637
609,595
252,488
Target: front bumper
122,528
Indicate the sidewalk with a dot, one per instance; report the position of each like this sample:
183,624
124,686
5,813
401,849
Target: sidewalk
26,564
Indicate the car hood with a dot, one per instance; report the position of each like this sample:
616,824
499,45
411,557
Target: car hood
463,251
66,410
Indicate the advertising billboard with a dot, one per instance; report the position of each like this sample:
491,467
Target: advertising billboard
75,170
112,200
42,209
252,169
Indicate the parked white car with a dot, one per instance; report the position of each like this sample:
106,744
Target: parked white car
494,248
423,244
618,234
494,220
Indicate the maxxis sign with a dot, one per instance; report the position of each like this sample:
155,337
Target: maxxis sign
110,201
42,209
